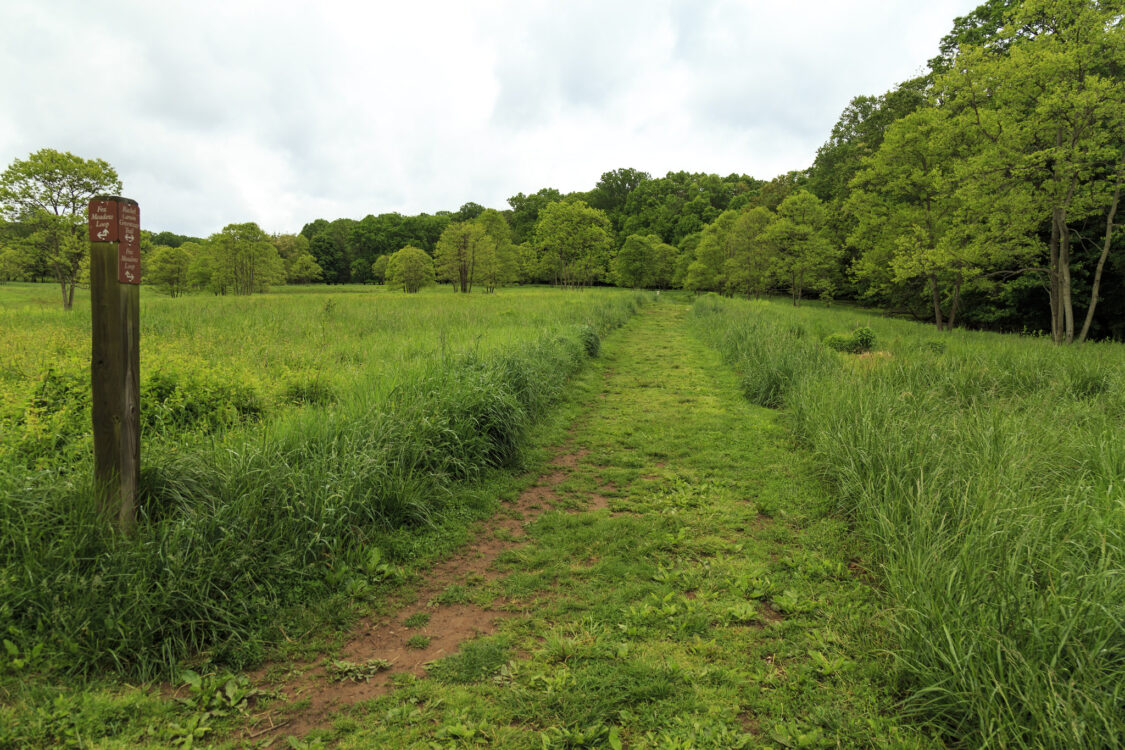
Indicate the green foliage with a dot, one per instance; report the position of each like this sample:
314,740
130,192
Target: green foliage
499,267
749,265
54,182
634,260
474,661
341,671
858,341
418,641
464,250
410,269
591,341
49,192
217,694
978,470
574,241
379,268
417,620
859,133
272,507
525,213
679,204
841,342
806,258
240,259
167,268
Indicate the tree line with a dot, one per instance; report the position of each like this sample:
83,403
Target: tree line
984,192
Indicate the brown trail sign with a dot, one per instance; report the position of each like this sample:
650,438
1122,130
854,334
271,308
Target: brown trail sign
115,273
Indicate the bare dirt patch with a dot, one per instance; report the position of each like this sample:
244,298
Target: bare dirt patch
312,698
771,615
750,723
597,502
570,460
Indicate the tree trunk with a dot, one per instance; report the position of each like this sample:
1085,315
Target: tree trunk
1065,286
1053,281
937,302
956,302
66,301
1108,242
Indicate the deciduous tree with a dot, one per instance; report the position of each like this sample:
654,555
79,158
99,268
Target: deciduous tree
805,258
50,191
1048,101
577,238
752,257
167,269
633,265
499,267
463,245
243,255
410,269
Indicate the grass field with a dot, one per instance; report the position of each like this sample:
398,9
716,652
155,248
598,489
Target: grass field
668,575
988,472
213,362
288,442
919,543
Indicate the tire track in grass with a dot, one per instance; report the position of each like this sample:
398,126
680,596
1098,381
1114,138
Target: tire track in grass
675,579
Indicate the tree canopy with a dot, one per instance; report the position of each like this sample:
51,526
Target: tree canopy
410,269
49,193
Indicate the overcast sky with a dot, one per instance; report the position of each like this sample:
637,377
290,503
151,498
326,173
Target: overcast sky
280,113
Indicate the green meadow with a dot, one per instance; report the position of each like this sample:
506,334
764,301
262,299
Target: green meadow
290,443
211,362
987,472
750,525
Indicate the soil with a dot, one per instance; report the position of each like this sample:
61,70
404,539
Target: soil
310,698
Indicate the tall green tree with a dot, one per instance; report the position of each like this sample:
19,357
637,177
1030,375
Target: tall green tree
715,248
1049,105
501,266
525,212
611,193
51,190
379,269
806,259
167,268
858,134
410,269
634,263
243,256
665,257
463,246
300,264
577,238
331,247
748,269
912,223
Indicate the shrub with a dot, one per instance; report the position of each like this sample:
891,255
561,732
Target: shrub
859,340
590,340
841,342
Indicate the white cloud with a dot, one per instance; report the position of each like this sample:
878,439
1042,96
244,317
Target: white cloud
282,112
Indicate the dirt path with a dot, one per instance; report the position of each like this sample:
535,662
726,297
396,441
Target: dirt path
672,579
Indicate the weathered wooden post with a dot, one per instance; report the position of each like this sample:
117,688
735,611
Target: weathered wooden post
115,275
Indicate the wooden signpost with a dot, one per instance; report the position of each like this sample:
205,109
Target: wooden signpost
115,275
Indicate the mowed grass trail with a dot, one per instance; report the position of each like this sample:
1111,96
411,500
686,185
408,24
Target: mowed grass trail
672,579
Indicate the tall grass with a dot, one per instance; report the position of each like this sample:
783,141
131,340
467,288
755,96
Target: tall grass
989,473
308,502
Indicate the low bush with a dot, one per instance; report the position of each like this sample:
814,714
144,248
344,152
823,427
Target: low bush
858,341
